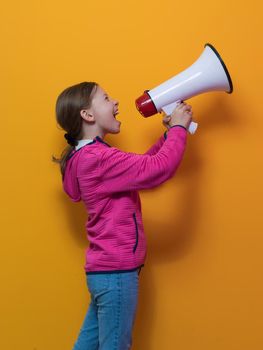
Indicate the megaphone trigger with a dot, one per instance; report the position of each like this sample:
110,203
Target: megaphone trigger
168,109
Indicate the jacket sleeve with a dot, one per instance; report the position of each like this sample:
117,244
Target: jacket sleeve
156,147
124,171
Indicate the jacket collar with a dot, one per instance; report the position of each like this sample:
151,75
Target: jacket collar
100,140
85,142
82,143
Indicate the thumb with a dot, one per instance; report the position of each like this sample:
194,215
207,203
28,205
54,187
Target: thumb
167,118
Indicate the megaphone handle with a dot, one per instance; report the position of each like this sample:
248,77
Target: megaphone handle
192,127
168,109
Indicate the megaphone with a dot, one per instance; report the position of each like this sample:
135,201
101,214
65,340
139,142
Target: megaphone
208,73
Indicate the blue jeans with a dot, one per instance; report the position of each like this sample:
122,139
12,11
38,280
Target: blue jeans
111,314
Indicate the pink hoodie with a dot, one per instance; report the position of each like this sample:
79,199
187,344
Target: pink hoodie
107,180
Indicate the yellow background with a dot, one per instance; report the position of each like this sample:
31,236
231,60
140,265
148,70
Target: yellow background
202,284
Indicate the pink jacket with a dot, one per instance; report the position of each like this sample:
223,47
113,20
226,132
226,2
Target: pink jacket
107,179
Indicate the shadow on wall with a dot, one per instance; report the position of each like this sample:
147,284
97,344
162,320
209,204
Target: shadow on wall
177,236
173,239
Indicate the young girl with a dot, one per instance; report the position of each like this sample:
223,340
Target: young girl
107,180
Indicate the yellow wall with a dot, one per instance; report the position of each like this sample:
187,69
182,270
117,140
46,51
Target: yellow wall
202,284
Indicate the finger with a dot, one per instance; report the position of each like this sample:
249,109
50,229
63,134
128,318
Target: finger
184,108
187,107
166,119
181,105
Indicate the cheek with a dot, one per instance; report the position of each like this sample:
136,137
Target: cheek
105,110
106,117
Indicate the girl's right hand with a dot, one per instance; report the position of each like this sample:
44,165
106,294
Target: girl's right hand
182,115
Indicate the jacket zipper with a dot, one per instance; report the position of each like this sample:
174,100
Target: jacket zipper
137,235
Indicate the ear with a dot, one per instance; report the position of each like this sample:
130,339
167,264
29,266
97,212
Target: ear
87,115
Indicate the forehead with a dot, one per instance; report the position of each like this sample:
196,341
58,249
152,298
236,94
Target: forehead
100,92
98,96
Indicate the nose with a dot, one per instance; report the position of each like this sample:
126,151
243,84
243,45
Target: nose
116,103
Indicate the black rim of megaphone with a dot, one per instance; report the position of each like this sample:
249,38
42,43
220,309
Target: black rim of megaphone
224,66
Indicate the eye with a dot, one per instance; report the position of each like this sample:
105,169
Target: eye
106,98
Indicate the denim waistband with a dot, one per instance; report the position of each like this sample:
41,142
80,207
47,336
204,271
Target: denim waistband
115,271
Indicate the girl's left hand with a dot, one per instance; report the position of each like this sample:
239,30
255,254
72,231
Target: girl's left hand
166,120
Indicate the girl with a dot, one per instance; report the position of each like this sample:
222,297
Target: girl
107,180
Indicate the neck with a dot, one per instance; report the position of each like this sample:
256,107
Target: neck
91,132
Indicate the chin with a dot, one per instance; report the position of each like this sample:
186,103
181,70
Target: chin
116,131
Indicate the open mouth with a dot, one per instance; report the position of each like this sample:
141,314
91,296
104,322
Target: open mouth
115,113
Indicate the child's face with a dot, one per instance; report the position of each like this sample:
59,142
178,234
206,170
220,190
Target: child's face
103,108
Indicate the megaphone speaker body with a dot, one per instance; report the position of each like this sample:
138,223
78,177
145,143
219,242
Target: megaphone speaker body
208,73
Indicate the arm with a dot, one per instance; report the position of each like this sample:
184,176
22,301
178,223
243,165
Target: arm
121,171
156,147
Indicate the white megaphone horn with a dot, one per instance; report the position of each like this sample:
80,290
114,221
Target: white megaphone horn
208,73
